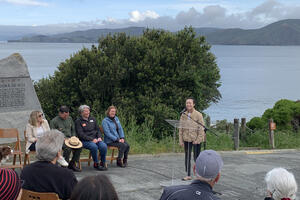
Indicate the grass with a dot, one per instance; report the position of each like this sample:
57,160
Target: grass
141,140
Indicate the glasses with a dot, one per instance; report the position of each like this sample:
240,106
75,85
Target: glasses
40,115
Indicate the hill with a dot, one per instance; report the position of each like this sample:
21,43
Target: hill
284,32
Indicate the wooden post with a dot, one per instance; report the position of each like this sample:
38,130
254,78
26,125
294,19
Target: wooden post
243,128
236,134
271,134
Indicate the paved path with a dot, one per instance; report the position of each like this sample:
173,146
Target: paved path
242,175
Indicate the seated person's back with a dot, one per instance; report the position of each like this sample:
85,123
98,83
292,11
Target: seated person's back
44,175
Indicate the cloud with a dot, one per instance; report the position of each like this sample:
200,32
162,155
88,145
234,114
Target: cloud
209,16
137,16
26,2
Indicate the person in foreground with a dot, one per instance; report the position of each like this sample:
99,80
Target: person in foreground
94,188
207,170
114,135
88,131
43,175
10,184
64,123
281,185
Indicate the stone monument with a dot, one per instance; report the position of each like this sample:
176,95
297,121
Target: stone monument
17,95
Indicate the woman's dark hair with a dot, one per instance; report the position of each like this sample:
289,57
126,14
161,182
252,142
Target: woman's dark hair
192,98
94,188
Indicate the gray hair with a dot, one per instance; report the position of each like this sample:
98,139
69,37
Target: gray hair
49,144
281,184
82,107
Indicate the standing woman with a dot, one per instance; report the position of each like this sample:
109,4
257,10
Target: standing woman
35,128
191,135
114,135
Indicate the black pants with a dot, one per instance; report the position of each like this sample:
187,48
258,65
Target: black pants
188,151
32,147
67,152
123,149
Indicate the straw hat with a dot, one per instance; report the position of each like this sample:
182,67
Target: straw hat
73,142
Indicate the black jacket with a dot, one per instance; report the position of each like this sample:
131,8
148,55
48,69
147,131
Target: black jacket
87,130
42,176
197,190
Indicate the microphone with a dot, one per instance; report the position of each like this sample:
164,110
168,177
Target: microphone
183,111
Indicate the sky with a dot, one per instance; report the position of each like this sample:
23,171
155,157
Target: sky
171,14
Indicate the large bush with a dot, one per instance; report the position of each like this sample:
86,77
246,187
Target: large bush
283,113
148,77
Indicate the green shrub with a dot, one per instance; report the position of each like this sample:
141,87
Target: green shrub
256,123
148,77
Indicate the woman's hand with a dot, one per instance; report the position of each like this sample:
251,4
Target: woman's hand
95,140
99,140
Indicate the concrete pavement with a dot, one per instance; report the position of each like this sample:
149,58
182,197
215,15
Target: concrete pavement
242,175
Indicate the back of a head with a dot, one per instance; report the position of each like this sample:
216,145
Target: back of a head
48,145
281,184
94,188
10,188
208,164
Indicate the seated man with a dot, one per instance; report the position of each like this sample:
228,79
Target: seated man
64,123
43,175
207,169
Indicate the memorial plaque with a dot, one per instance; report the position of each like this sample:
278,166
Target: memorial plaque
17,95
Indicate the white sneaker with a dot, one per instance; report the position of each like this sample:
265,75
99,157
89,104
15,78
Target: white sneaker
62,162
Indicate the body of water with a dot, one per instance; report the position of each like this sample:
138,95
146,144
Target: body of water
253,77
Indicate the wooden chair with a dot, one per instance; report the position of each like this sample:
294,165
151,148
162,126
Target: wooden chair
30,195
27,155
89,159
13,133
112,158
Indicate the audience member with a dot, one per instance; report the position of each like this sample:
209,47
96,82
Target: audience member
88,131
43,175
10,185
114,135
64,123
281,185
94,188
207,170
35,128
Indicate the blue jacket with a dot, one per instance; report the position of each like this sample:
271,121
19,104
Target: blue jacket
197,190
110,130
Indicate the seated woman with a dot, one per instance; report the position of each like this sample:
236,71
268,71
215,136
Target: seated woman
88,132
94,188
114,135
35,128
281,185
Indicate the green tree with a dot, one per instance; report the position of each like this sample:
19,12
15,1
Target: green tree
148,76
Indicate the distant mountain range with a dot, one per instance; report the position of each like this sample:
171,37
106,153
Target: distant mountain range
284,32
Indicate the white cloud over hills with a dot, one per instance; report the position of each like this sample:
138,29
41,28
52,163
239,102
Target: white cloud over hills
210,16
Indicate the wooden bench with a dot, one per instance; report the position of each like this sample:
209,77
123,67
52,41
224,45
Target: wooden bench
13,133
89,159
